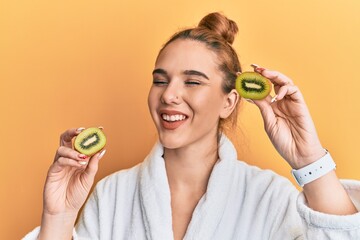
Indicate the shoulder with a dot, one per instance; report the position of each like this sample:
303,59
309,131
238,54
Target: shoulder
267,192
264,180
253,178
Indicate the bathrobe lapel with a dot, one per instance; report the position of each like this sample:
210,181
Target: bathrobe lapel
155,198
209,211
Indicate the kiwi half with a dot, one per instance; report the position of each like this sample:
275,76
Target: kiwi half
252,85
90,141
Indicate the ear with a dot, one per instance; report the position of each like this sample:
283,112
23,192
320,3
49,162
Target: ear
230,101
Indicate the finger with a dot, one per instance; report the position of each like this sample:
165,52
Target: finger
263,103
93,165
249,100
266,111
70,153
68,135
68,162
275,77
290,91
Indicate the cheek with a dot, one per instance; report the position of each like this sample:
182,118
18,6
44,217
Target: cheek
152,100
208,105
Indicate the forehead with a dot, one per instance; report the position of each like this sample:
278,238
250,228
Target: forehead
187,54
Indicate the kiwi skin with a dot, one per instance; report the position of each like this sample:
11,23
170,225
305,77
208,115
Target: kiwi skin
97,140
253,85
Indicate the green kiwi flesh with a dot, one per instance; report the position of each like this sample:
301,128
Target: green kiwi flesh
90,141
252,85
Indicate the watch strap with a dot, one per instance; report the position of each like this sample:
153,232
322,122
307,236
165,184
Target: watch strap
314,170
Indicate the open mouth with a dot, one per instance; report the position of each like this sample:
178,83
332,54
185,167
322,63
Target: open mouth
172,121
173,118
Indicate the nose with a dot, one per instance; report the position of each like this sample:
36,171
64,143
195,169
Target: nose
172,94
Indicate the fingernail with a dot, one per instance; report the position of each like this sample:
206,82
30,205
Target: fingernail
80,129
254,65
274,99
257,68
238,73
101,127
82,162
82,156
102,154
249,100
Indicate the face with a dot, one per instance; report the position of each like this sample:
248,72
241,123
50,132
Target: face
186,100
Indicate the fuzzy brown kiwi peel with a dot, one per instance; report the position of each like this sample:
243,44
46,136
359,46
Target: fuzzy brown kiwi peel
90,141
253,85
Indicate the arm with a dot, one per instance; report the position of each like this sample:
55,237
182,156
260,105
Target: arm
327,195
290,128
58,226
296,220
68,183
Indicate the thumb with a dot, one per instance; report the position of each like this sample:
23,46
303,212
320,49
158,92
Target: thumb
266,111
93,165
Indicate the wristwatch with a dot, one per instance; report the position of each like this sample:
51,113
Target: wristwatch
314,170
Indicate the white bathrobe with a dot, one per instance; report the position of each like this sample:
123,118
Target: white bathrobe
241,202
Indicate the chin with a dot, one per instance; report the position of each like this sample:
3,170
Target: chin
171,142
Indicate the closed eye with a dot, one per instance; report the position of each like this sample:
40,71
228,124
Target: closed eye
159,82
192,82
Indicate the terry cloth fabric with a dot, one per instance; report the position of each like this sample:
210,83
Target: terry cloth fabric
241,202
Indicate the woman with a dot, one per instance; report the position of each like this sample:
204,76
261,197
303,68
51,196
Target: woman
191,186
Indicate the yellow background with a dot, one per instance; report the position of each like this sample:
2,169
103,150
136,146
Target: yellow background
87,63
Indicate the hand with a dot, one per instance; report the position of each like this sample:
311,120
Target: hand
290,128
288,123
69,178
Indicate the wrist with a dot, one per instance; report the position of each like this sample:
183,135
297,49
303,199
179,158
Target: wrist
315,170
311,156
65,216
57,226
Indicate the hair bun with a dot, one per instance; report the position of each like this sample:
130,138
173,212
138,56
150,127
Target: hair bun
220,24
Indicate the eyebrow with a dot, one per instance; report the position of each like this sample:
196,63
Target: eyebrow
159,71
186,72
196,73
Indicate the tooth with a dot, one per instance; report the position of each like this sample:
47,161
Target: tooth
173,118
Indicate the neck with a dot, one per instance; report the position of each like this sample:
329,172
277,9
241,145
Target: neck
189,168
